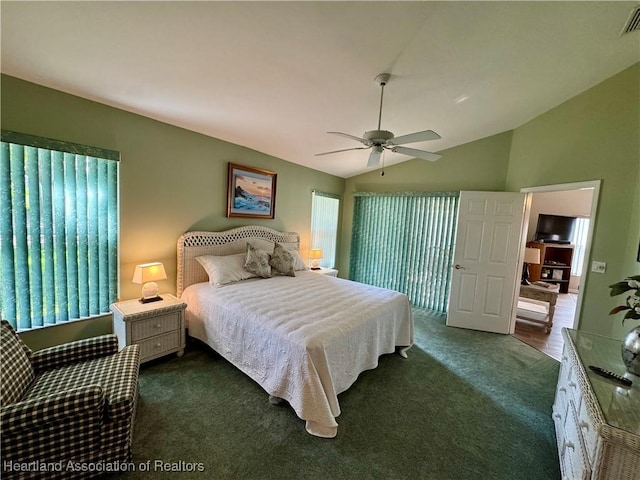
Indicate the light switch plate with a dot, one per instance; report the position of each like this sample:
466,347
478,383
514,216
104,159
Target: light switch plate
599,267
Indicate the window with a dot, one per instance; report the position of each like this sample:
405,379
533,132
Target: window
58,230
325,210
405,242
579,240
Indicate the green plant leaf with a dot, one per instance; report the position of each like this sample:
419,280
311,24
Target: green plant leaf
630,315
618,288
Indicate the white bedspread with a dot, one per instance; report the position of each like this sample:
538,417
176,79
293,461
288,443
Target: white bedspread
304,339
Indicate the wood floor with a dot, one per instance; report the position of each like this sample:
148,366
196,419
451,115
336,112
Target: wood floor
534,334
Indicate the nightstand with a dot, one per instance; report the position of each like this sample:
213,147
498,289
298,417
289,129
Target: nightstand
158,327
329,272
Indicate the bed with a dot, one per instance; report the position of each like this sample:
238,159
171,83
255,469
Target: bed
303,338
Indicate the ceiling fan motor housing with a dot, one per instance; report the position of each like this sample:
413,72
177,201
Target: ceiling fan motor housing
377,137
382,79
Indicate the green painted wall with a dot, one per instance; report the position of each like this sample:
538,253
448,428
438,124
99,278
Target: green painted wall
171,181
593,136
479,165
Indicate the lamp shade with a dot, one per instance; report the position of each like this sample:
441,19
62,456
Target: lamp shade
315,253
149,272
531,255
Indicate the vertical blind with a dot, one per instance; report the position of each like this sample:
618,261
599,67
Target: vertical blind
325,209
58,231
405,242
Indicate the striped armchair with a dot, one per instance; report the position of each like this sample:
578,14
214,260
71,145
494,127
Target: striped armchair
68,408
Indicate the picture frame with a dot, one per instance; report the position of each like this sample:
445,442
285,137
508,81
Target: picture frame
251,192
557,275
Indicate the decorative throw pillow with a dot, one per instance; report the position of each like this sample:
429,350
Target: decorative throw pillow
282,261
257,262
224,269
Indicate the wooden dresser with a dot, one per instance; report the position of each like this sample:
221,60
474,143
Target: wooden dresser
597,420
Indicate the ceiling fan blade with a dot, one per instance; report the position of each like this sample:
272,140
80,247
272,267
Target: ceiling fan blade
352,137
414,137
416,153
343,150
374,158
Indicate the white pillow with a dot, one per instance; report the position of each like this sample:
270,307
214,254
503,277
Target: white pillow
225,269
299,263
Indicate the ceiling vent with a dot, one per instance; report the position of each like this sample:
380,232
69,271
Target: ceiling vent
633,22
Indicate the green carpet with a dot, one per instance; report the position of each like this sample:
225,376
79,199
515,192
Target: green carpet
464,405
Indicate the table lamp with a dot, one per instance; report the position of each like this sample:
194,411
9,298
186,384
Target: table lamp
147,274
531,255
315,255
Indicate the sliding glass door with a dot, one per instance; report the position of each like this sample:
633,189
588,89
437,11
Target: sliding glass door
404,241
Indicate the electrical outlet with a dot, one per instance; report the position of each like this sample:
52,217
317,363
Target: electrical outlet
599,267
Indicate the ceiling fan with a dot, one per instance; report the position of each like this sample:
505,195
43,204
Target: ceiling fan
379,140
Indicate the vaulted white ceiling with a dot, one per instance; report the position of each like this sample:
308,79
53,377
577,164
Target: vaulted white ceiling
276,76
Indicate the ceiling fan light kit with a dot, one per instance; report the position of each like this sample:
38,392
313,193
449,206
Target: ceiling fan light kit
379,140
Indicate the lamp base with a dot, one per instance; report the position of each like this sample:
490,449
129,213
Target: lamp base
150,293
157,298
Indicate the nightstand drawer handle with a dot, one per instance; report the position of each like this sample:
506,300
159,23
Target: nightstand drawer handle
159,325
158,345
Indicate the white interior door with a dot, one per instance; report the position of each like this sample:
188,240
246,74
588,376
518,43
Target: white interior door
486,261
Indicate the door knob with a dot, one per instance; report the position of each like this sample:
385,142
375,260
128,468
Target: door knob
459,267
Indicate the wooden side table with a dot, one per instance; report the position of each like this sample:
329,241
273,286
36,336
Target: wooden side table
538,304
158,327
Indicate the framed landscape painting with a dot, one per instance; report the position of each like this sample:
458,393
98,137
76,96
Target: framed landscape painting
251,192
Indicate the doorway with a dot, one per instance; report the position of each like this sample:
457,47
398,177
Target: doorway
573,199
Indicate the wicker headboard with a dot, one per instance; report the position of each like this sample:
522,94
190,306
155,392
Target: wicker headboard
193,244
